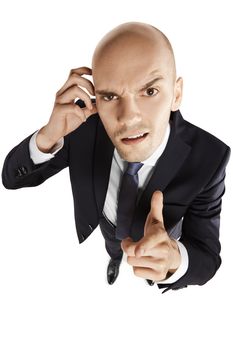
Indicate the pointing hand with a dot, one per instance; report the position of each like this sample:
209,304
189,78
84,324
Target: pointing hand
156,256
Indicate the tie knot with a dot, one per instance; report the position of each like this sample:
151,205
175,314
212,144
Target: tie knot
133,168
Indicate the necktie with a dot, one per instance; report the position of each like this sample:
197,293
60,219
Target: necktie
127,200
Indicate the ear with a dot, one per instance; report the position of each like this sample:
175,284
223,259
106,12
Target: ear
178,92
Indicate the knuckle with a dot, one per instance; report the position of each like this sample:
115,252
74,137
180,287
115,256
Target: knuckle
166,254
58,98
74,75
136,271
79,91
73,88
78,70
56,107
165,250
153,261
163,269
129,260
161,275
76,91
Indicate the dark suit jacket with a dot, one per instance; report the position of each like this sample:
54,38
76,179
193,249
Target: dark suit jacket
190,173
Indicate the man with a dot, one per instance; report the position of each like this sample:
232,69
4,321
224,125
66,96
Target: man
164,216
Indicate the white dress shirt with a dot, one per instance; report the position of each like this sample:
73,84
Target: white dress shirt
117,168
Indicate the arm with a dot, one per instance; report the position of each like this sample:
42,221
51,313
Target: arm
19,170
200,231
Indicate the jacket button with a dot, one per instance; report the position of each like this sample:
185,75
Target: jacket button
24,170
21,171
18,172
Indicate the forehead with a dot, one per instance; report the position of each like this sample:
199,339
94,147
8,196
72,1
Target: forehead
126,67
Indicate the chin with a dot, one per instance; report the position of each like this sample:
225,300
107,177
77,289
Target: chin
135,153
133,156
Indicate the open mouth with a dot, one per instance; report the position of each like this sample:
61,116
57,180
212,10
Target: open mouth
134,139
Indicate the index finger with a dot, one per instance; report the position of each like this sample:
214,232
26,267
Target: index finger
75,78
81,71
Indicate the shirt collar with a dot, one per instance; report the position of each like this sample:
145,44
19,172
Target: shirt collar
152,160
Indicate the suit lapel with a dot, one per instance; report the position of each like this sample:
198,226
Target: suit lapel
167,167
104,149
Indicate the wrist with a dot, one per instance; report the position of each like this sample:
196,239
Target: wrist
43,140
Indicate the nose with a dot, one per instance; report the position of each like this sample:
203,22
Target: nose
128,112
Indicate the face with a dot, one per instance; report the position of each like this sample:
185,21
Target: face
135,93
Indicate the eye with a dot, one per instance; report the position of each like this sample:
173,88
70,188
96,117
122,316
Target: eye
151,92
109,97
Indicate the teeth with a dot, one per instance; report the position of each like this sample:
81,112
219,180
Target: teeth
134,137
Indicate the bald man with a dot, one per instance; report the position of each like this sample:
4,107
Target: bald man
172,237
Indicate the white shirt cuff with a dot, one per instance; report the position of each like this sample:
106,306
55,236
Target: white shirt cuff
182,268
40,157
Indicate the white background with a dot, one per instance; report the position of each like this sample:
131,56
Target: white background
53,291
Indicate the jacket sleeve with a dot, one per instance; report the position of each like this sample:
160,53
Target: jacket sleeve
20,171
200,231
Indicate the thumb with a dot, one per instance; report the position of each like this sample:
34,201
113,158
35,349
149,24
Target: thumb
157,206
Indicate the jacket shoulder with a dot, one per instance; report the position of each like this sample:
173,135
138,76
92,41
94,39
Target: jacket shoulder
204,144
208,154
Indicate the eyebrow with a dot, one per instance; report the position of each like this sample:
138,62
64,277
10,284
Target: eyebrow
151,82
110,92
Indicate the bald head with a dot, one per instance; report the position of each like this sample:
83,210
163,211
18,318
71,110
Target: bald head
136,89
133,39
